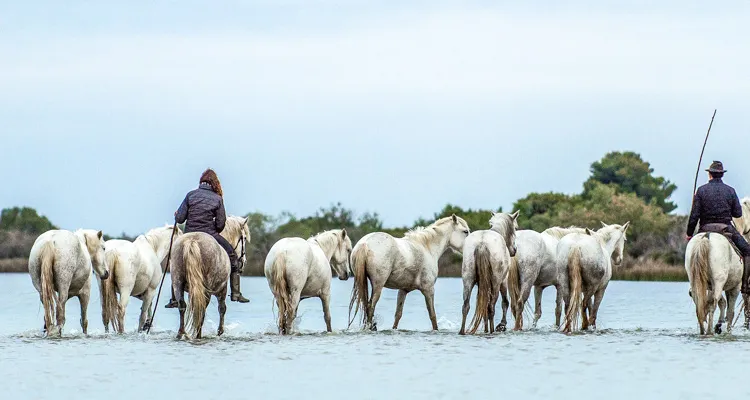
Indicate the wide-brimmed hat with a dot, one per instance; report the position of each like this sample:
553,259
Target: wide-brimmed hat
716,167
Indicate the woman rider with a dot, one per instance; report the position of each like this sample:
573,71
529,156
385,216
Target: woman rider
203,209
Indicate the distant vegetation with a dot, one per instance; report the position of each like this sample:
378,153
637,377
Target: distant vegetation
622,187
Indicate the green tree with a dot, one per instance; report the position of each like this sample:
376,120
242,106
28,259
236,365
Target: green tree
629,173
537,210
477,219
25,220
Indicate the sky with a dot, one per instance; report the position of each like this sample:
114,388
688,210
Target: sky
110,111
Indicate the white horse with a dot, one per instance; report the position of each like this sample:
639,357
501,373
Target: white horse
61,261
535,266
299,269
743,224
588,259
713,267
408,263
486,257
135,270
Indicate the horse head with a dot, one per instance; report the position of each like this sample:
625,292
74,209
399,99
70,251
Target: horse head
506,225
614,237
94,244
459,231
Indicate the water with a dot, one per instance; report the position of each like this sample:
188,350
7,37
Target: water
646,346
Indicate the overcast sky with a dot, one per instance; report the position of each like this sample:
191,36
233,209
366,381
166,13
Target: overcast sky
110,112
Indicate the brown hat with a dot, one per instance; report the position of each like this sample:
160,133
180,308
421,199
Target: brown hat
716,167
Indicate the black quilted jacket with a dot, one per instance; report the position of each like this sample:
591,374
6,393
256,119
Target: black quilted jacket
714,202
204,211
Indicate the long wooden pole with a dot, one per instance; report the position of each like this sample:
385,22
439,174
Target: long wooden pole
166,269
700,160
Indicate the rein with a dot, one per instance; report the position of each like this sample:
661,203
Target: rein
241,259
150,322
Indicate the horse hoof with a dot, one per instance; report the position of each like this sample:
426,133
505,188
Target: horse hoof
220,332
501,328
374,327
717,329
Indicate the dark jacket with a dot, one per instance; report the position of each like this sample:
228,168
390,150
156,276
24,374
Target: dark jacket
204,211
714,203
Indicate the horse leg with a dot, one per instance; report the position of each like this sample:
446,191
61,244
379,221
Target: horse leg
399,307
538,290
492,306
221,298
146,299
62,298
504,293
376,292
731,301
584,308
182,306
468,287
295,299
122,306
711,307
429,299
325,300
518,308
746,300
558,305
722,314
83,299
598,296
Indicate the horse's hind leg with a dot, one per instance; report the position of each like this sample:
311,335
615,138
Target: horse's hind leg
538,290
504,293
62,298
146,300
83,299
722,314
429,299
491,311
584,309
558,305
468,287
399,307
325,300
123,306
221,298
376,292
179,294
598,296
711,307
731,301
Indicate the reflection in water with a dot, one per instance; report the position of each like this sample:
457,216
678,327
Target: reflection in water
646,346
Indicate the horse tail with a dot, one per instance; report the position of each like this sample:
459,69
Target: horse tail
576,289
514,291
699,269
196,310
483,267
49,300
110,307
283,295
360,300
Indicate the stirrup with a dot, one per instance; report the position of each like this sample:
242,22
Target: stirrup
172,304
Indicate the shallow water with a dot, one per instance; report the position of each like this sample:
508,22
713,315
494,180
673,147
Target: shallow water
646,346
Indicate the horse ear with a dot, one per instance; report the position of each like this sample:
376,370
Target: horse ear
244,223
625,227
343,233
515,214
455,219
588,232
603,224
99,234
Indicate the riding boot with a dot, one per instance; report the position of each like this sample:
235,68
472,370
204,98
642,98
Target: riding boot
172,304
234,285
745,275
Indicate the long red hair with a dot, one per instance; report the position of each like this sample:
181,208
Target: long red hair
209,176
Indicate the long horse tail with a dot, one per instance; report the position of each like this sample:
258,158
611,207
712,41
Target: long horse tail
514,291
198,301
49,300
283,295
360,300
110,307
699,270
576,289
483,267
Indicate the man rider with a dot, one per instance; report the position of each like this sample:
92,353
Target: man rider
714,205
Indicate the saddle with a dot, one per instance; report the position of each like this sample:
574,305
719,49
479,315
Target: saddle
724,230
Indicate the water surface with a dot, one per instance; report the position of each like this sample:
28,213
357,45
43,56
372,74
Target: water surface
646,346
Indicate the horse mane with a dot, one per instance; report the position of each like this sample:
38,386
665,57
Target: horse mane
327,240
605,233
503,223
235,227
559,232
425,235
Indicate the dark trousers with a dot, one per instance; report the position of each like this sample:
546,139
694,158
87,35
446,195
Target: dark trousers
230,251
737,238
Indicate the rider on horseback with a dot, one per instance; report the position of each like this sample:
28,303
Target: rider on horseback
714,205
203,209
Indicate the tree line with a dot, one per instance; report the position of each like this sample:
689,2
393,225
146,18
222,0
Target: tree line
622,187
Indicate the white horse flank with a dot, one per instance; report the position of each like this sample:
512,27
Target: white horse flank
713,267
407,264
135,270
588,259
486,257
535,266
299,269
61,261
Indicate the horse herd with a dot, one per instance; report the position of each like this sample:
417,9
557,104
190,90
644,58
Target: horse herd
502,262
